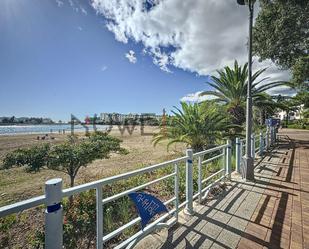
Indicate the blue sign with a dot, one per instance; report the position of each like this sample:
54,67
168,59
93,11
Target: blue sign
272,121
147,206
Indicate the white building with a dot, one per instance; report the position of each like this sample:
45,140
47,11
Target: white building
293,115
117,117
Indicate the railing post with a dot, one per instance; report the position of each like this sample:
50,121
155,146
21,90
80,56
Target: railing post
267,138
189,182
176,190
53,214
261,150
271,136
199,180
229,158
238,154
99,217
241,158
253,146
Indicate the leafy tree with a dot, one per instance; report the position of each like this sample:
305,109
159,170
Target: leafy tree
6,120
67,157
300,71
230,88
34,158
265,106
193,126
281,34
287,105
306,113
79,221
301,101
302,98
12,119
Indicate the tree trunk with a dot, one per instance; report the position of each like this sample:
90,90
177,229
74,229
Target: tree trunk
261,116
72,180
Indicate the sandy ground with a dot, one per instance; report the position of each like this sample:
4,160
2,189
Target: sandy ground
16,184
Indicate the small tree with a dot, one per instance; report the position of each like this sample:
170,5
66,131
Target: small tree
34,158
67,157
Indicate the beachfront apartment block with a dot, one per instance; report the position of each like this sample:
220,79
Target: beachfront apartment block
292,115
118,117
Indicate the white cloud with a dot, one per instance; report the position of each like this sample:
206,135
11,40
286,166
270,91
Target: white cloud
131,56
79,28
103,68
83,10
204,35
59,3
195,97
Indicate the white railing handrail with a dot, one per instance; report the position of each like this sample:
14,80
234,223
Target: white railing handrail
212,158
40,200
126,192
87,186
225,170
22,205
201,153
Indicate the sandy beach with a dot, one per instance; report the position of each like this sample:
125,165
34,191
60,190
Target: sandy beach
16,184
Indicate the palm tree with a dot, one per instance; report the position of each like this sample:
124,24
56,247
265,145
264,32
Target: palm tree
288,105
265,106
230,88
194,127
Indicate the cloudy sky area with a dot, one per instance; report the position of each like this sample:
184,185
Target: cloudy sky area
195,35
83,57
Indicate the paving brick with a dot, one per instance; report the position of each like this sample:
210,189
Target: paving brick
272,212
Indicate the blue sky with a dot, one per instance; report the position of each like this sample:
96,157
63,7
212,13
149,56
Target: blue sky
83,57
56,60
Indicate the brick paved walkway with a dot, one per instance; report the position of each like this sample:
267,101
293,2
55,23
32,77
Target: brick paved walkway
272,212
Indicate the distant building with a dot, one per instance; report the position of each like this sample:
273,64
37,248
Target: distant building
104,117
118,117
47,121
293,115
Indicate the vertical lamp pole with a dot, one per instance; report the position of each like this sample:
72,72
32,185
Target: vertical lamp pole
248,157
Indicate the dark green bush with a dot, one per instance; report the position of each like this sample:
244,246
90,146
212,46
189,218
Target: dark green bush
34,158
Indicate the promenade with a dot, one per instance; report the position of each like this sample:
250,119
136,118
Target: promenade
271,212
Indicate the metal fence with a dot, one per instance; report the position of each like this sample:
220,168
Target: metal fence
54,192
54,195
259,145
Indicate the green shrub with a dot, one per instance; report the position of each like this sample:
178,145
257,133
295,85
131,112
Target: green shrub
80,221
34,158
7,222
67,157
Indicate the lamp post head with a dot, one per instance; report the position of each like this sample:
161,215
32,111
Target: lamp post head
245,2
250,3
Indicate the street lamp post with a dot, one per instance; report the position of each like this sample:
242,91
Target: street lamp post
248,157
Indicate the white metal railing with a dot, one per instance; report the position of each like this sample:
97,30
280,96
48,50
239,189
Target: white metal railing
256,143
225,154
54,195
259,144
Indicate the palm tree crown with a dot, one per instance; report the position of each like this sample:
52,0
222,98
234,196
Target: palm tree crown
230,87
193,126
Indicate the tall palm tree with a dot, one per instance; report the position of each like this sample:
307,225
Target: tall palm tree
265,107
230,87
193,126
